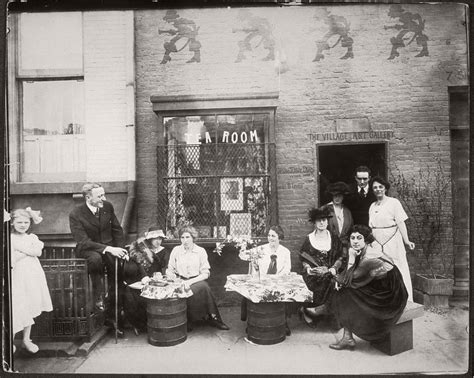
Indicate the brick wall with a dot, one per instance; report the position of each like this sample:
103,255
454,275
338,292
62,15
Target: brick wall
407,95
105,81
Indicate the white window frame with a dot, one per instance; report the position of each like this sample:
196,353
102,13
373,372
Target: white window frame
17,77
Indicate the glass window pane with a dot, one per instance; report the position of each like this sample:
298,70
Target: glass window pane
240,149
241,128
190,143
53,127
190,130
51,40
53,107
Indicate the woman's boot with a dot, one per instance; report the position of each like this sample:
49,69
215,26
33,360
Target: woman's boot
347,341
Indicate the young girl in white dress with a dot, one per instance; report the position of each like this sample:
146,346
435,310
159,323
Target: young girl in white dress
30,294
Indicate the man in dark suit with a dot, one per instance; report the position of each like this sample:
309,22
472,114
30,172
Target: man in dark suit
100,240
361,196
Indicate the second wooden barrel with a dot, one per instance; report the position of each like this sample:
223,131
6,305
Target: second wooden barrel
166,321
266,322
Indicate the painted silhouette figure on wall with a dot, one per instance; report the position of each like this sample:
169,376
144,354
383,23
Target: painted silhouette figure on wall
409,23
338,27
185,30
259,32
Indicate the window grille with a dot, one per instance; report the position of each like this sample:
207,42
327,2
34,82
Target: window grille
220,189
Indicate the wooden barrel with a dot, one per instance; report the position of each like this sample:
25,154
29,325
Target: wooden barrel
266,322
166,321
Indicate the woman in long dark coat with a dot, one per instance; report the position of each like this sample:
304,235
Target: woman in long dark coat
147,256
322,258
341,222
370,294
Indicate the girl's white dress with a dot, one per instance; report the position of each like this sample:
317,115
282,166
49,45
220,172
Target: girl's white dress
383,220
30,294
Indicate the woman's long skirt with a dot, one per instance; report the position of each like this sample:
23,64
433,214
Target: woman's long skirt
321,286
371,310
201,303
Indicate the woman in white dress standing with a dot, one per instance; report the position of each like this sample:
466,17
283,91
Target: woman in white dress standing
387,220
30,294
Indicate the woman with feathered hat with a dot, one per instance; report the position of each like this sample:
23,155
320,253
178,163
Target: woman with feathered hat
147,256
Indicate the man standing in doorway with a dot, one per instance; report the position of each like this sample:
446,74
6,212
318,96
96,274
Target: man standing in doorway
100,241
361,196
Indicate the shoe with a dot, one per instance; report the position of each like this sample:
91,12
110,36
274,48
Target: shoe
287,330
303,316
343,344
112,325
30,347
99,305
314,312
217,323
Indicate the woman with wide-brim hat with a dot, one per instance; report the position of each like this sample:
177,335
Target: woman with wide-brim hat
147,256
341,221
322,258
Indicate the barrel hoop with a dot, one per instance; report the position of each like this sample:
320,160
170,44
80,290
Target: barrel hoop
266,342
166,316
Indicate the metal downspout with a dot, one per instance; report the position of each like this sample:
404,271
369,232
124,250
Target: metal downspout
130,120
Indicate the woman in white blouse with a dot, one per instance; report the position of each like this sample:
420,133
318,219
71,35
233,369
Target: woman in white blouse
276,258
189,262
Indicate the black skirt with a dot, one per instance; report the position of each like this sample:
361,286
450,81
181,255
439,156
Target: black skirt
201,303
321,286
371,310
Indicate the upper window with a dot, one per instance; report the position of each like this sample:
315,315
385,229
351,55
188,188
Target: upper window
50,84
50,44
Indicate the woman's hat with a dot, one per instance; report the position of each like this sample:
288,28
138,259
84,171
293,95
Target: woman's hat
338,188
319,213
154,232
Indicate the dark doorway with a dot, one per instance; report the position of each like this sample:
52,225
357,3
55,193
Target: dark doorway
338,163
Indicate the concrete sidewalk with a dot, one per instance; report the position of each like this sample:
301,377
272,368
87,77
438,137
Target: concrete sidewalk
441,339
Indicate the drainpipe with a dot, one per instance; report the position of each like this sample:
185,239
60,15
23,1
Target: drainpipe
130,120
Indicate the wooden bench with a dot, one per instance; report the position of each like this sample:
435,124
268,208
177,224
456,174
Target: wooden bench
400,338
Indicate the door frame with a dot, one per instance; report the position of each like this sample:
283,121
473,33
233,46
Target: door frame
316,157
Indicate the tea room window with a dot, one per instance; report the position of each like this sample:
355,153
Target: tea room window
216,166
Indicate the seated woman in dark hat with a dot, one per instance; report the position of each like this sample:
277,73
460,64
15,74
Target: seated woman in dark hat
147,256
189,262
322,258
370,295
341,221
